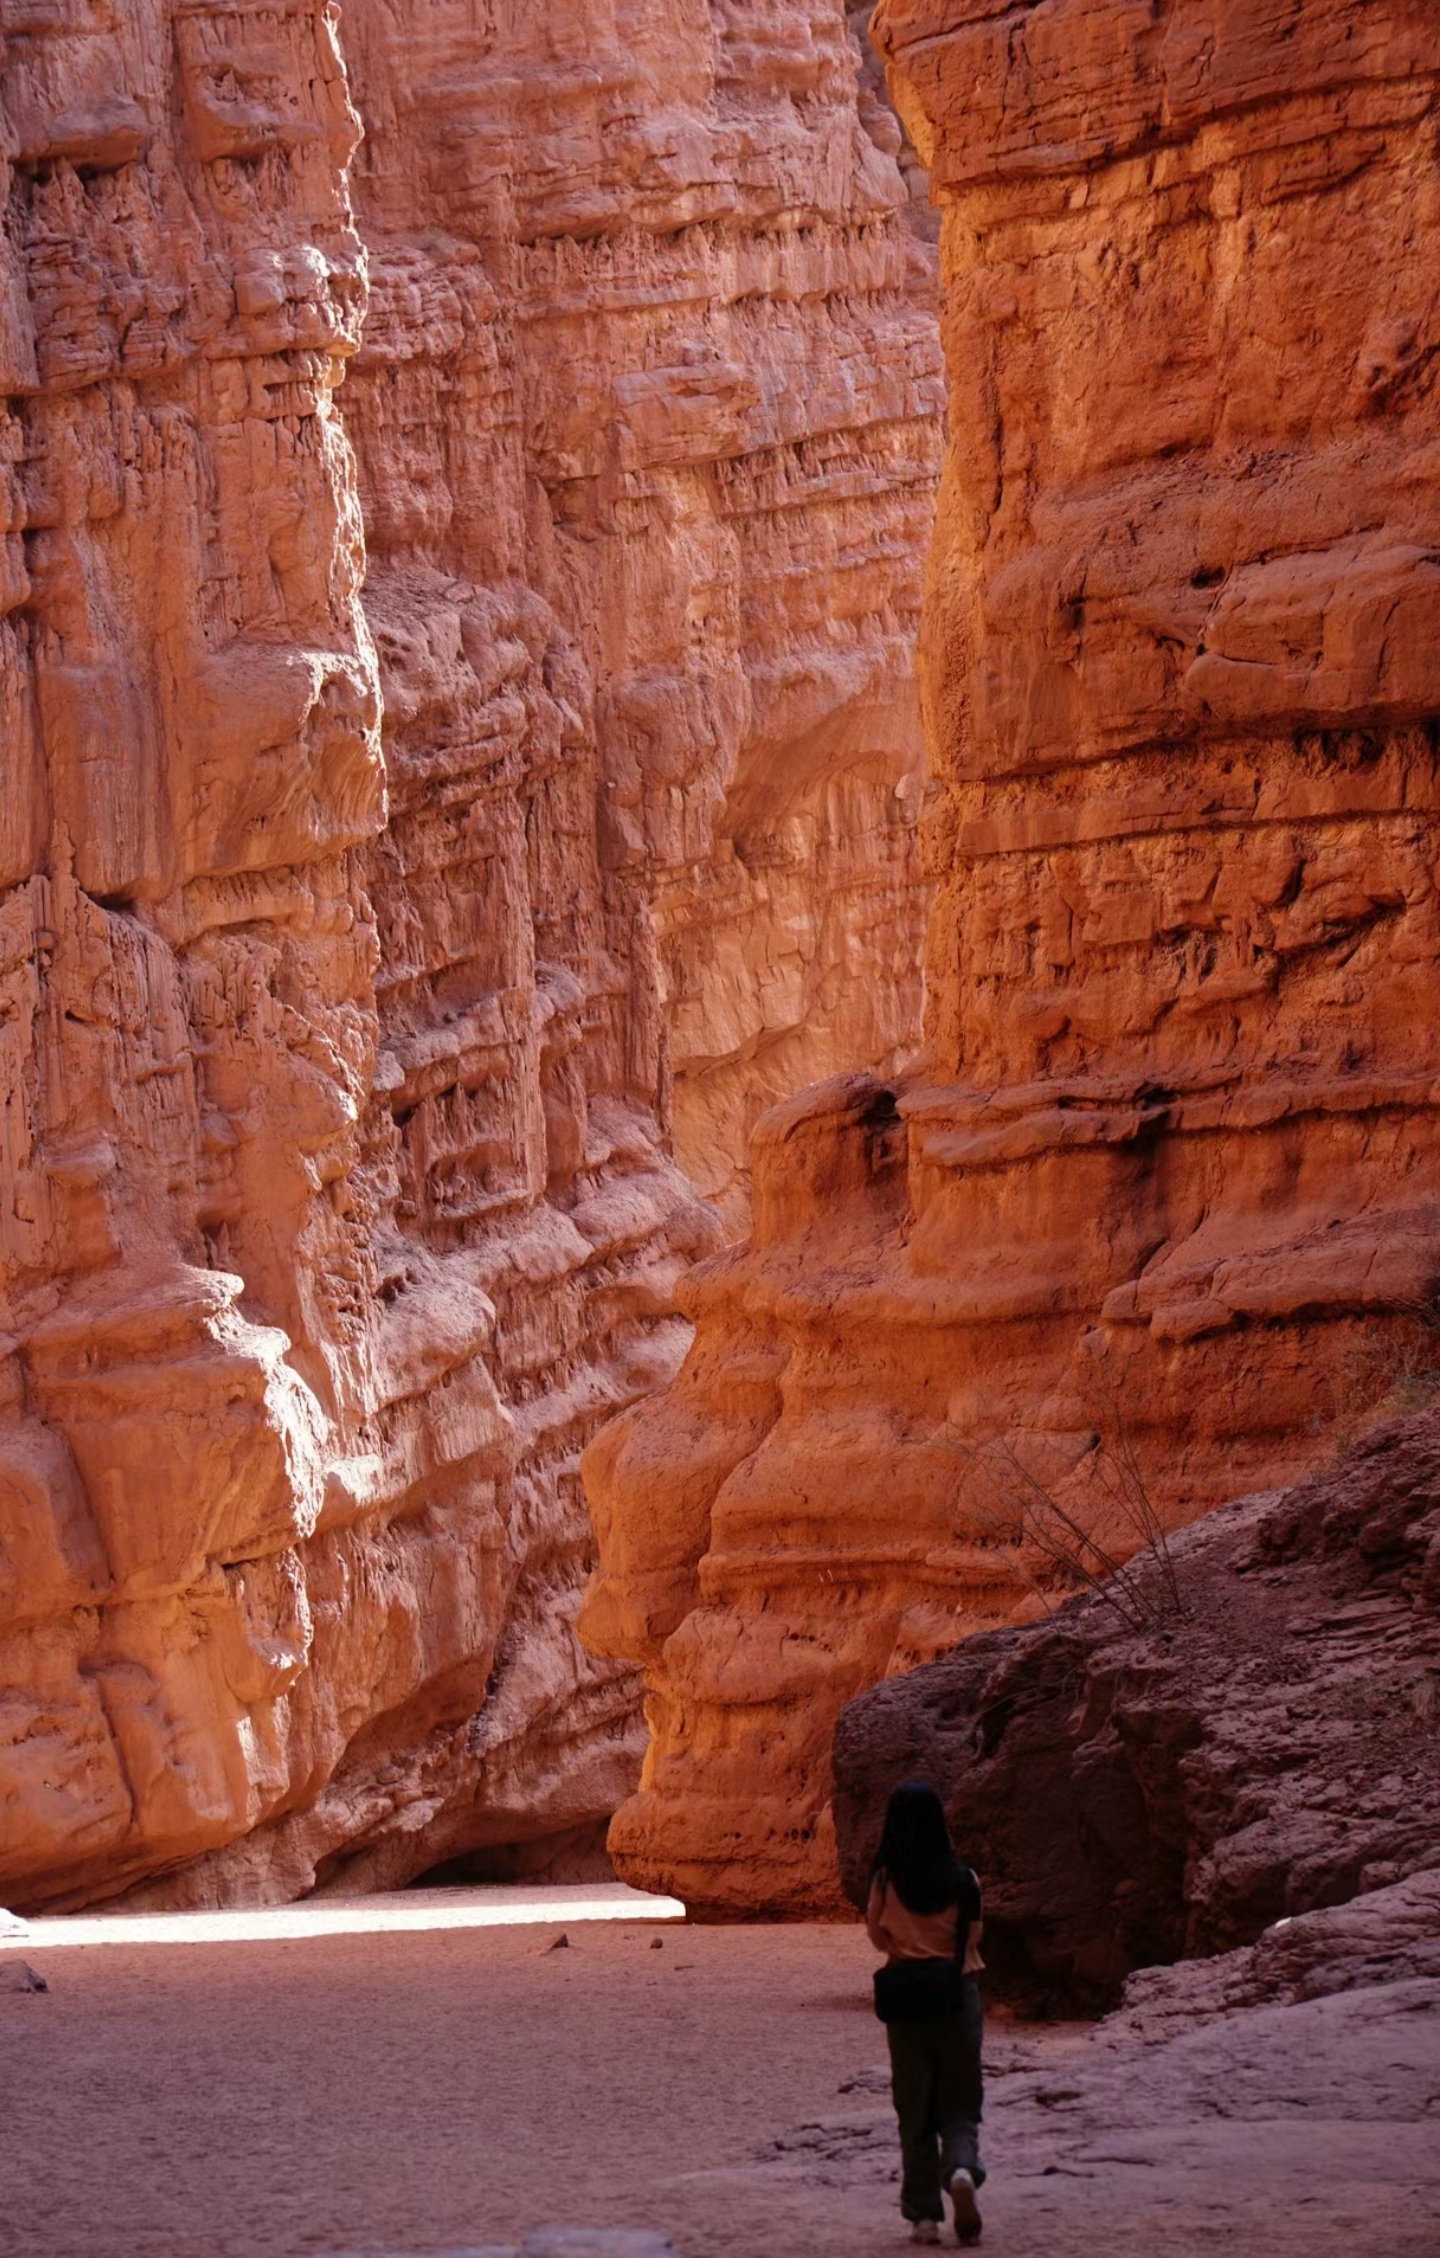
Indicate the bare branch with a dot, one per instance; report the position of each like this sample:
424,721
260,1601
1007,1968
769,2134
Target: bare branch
1045,1526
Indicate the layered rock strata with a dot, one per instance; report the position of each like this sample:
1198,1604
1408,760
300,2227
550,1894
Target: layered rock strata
650,337
1269,1750
338,1198
1160,1208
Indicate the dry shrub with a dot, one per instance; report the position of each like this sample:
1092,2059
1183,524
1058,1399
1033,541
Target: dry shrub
1389,1377
1054,1551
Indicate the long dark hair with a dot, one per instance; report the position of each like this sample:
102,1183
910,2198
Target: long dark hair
916,1854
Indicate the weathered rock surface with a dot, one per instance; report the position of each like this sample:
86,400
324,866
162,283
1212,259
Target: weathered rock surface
1303,2130
338,1204
649,343
1175,1141
1136,1796
1388,1936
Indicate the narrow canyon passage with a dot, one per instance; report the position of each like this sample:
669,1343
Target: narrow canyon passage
497,807
400,2096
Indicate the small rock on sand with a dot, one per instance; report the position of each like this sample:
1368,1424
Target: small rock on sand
18,1975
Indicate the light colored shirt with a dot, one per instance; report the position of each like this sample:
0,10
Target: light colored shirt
903,1935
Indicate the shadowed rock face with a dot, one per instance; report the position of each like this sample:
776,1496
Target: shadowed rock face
1177,1120
1271,1752
338,1201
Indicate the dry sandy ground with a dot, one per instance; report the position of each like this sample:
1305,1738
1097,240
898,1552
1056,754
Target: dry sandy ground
417,2093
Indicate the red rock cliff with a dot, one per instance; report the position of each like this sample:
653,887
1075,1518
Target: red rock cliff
1176,1143
338,1206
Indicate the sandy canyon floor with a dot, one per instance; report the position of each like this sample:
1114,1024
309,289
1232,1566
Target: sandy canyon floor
425,2093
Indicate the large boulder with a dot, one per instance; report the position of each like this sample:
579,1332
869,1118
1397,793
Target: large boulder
1144,1787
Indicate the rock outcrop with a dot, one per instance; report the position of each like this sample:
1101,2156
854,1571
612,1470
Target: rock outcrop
1141,1794
338,1203
1159,1209
1388,1936
1306,2130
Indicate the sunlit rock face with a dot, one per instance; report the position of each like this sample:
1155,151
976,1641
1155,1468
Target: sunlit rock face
651,338
200,1410
339,1204
1164,1192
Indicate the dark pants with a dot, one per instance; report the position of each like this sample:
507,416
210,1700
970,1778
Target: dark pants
938,2092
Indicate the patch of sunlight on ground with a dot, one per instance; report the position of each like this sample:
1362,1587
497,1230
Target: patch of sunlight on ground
497,1905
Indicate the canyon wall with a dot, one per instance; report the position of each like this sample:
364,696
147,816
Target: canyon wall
341,1058
1160,1210
651,333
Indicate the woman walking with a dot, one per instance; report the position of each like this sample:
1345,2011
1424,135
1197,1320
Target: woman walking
924,1915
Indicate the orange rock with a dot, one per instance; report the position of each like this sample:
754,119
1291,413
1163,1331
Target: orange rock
648,263
1160,1207
338,1203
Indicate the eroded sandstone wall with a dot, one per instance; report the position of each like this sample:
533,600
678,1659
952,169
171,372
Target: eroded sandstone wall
651,334
1160,1209
339,1204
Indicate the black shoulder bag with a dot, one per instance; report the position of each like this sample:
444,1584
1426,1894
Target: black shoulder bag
911,1991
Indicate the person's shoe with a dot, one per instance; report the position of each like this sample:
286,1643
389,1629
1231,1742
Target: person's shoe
967,2210
924,2230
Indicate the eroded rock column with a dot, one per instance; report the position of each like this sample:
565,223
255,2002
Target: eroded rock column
1177,1124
